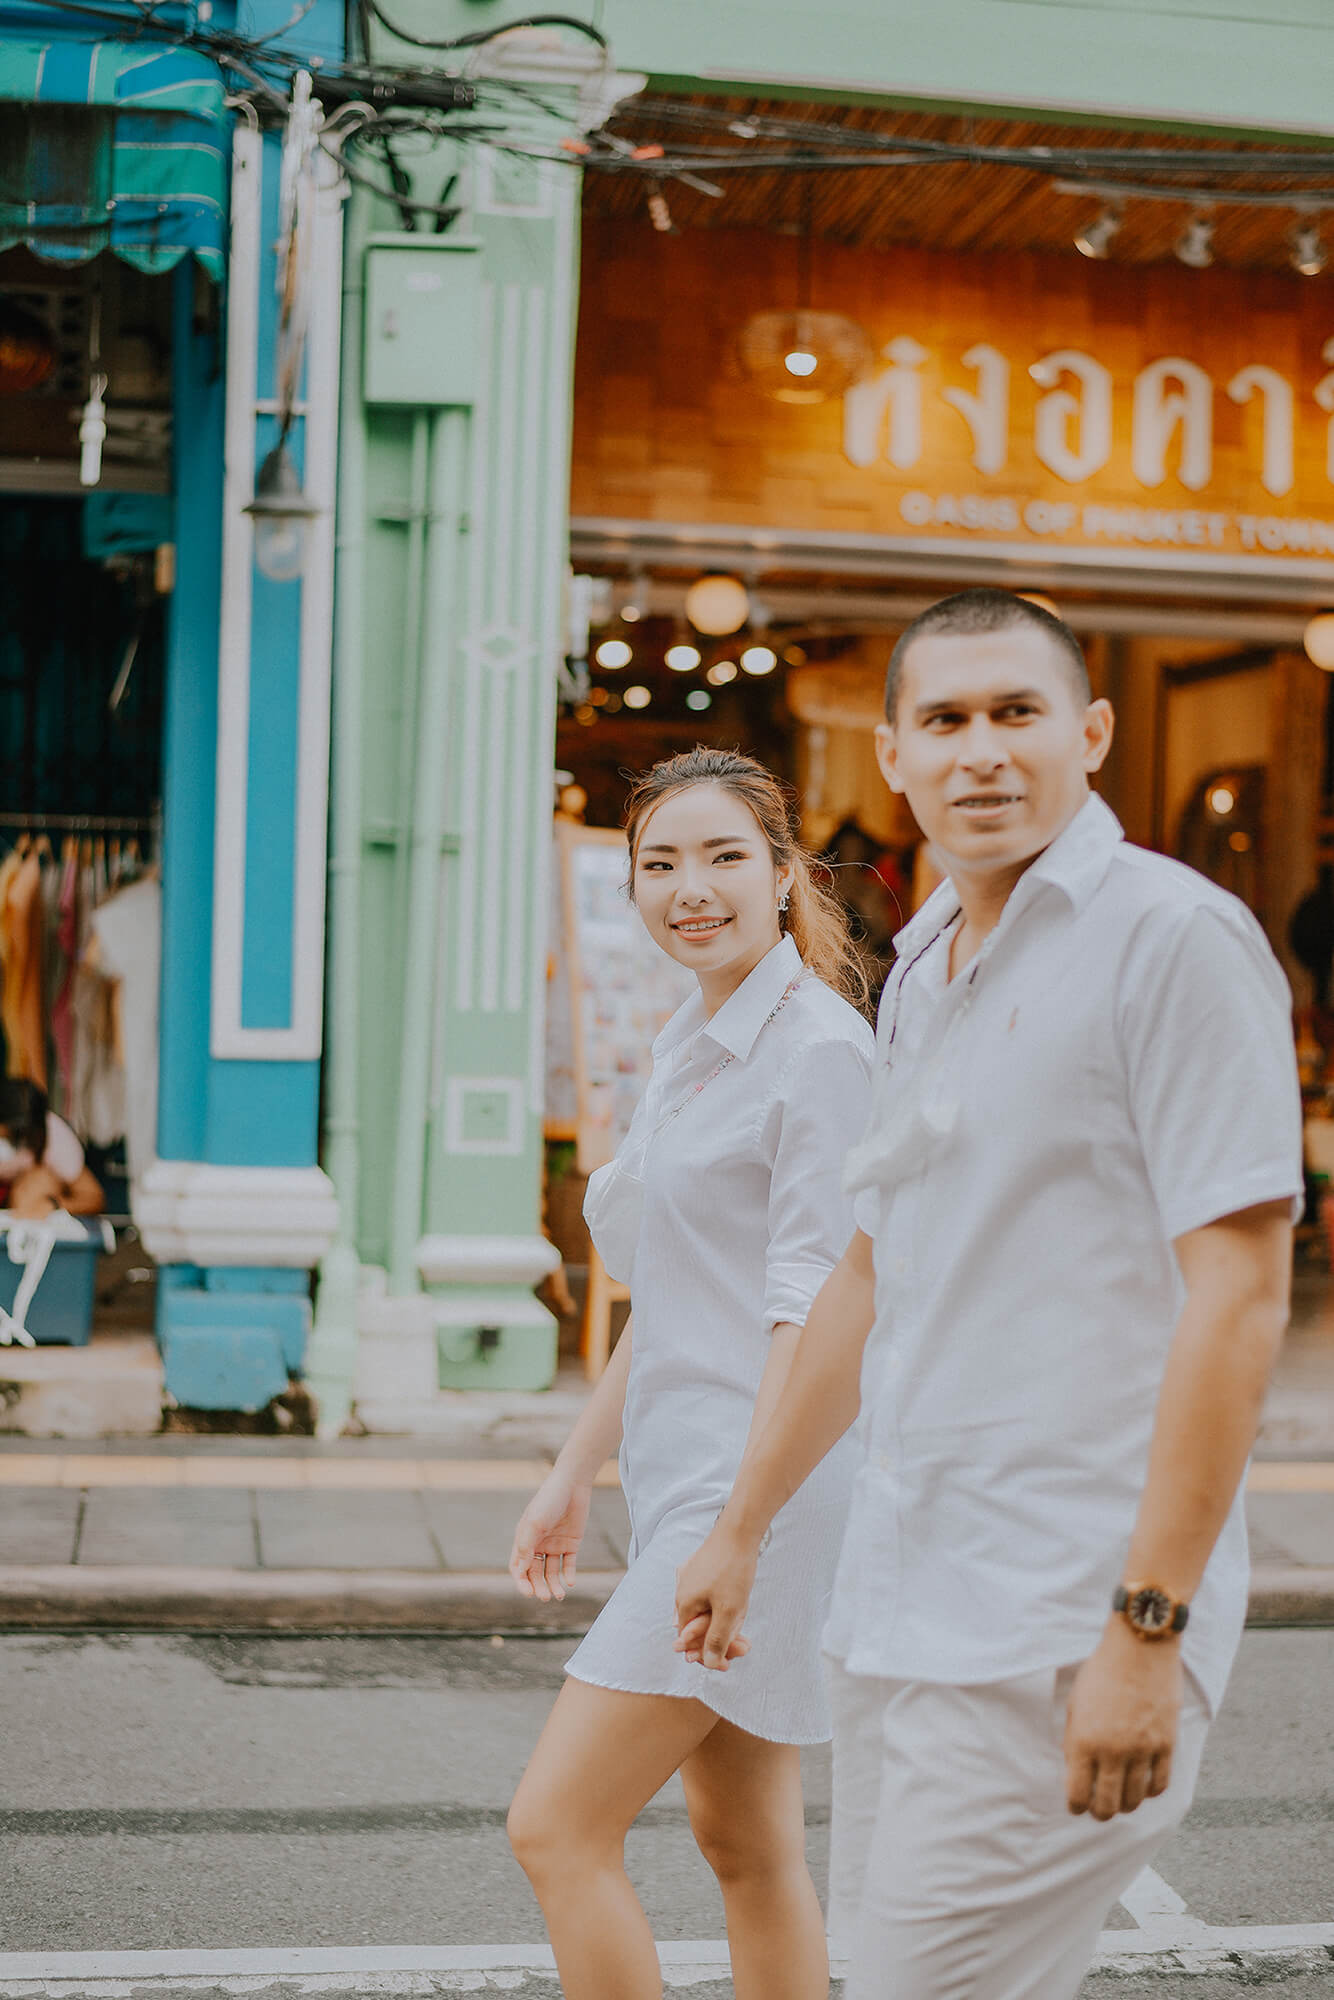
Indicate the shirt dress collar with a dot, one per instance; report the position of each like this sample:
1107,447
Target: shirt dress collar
739,1020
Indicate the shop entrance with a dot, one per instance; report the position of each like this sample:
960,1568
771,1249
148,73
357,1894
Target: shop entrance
85,575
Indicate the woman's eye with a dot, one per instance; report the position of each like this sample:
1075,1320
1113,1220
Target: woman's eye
735,855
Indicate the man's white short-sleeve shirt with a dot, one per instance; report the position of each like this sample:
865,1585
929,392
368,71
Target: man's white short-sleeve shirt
1114,1069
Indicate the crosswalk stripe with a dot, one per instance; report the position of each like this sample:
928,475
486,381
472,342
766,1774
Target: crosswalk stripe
409,1969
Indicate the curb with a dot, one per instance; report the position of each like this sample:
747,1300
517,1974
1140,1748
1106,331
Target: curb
1291,1595
161,1599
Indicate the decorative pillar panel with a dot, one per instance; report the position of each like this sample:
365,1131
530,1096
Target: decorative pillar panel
481,1250
236,1211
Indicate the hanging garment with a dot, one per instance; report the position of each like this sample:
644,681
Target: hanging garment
25,954
62,1009
9,868
127,932
99,1078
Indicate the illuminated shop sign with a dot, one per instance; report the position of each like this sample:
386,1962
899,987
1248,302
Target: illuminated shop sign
1069,422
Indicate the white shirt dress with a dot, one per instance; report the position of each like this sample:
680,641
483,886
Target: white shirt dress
724,1212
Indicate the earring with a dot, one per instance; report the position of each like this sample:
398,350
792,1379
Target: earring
783,900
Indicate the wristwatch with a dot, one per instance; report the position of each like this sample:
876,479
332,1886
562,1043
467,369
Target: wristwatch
1149,1611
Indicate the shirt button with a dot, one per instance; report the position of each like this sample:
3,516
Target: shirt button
900,1267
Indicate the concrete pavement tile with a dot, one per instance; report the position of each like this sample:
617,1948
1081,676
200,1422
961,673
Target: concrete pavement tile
31,1471
382,1475
100,1469
1301,1525
515,1475
38,1525
344,1531
608,1516
248,1472
474,1530
168,1526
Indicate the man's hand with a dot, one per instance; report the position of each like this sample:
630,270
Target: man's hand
712,1593
1121,1725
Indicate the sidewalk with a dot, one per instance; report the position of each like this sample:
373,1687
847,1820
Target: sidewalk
412,1534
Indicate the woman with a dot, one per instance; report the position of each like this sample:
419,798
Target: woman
41,1161
724,1211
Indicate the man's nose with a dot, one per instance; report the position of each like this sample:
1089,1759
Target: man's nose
983,747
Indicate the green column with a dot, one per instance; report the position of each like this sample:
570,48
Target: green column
453,533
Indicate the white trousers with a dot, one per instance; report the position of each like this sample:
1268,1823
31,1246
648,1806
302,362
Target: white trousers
956,1870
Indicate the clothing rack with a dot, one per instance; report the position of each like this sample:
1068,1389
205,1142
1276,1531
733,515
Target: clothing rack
80,823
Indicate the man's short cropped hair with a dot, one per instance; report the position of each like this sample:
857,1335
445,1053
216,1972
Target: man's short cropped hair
987,610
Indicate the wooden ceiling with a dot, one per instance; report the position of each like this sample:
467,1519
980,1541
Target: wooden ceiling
964,205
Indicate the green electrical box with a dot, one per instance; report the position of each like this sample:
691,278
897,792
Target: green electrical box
423,320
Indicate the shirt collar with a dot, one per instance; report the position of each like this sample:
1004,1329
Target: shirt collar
739,1020
1075,863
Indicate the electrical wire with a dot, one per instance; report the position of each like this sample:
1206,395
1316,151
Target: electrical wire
479,36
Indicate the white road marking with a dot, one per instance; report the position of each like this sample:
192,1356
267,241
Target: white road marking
408,1970
1149,1897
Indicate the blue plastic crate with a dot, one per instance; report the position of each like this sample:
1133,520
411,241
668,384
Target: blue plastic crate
61,1312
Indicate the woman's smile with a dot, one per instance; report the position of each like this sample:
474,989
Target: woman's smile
699,927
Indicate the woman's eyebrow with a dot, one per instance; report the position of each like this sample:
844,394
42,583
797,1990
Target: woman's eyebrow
720,840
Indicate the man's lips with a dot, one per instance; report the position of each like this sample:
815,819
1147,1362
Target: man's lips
987,801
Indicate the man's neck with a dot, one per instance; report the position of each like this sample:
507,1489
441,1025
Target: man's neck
982,899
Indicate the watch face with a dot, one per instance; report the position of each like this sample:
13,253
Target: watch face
1150,1610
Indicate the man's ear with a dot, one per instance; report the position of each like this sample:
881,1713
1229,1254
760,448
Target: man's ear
887,755
1099,726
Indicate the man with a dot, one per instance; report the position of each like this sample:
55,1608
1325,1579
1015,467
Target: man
1068,1284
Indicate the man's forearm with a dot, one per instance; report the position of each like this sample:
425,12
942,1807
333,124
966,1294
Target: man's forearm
1212,1395
820,1397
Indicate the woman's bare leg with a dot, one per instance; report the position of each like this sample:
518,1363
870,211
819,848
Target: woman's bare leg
747,1813
601,1758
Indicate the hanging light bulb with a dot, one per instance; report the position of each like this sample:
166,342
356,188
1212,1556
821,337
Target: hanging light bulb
759,660
803,356
613,654
1195,245
1318,640
1309,255
683,659
282,516
717,605
1094,239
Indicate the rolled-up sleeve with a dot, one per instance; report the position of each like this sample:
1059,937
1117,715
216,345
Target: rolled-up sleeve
817,1112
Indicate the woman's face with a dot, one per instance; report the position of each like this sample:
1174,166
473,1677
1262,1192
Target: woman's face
705,883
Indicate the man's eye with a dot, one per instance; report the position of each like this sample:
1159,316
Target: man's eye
1019,708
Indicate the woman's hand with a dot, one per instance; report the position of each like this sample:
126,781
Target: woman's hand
712,1594
546,1541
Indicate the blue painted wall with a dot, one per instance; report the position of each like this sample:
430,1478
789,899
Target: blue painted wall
190,735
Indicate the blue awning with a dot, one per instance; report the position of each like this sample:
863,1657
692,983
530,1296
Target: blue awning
113,146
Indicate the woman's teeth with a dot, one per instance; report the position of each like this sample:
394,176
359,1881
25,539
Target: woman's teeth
702,928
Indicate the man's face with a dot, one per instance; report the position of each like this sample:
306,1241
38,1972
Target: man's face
991,745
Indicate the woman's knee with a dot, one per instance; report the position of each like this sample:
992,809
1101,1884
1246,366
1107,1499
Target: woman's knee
738,1848
547,1839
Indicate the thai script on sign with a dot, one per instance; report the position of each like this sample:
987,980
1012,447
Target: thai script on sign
1171,418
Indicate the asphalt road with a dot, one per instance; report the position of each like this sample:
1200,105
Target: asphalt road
228,1792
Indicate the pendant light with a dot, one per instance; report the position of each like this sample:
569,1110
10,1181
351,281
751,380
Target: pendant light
803,356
